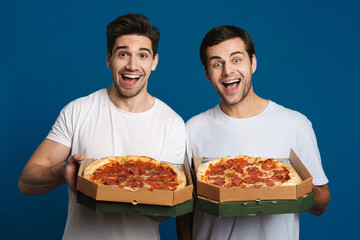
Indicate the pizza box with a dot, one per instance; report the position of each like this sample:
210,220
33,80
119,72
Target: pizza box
112,195
224,194
144,209
251,208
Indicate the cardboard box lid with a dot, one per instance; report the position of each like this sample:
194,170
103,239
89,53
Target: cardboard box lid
223,194
144,196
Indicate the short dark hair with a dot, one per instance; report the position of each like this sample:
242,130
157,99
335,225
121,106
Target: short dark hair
132,24
223,33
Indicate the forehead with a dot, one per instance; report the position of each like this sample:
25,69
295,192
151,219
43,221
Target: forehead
226,48
133,42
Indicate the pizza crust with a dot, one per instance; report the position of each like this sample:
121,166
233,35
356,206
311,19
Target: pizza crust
294,176
93,167
180,176
201,170
89,171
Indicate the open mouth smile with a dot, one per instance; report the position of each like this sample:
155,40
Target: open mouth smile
232,84
130,79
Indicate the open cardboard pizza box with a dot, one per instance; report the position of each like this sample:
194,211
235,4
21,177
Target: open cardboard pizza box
115,199
215,199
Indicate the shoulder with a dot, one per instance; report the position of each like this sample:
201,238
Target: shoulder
85,102
167,113
202,118
95,96
289,115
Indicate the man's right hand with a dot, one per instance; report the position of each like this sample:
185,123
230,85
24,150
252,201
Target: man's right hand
71,170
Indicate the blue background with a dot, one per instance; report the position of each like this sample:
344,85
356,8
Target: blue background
53,52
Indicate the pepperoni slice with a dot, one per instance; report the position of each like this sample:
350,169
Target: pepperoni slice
220,181
281,172
254,172
241,162
124,173
268,165
213,173
238,169
231,175
219,167
269,183
281,175
237,181
250,180
110,182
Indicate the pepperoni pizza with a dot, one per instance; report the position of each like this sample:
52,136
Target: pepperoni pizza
244,171
135,172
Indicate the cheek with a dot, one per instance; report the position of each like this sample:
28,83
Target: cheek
147,68
114,70
215,76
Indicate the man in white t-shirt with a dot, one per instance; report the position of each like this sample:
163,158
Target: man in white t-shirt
246,124
123,119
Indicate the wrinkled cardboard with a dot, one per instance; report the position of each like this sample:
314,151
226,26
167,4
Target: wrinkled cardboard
223,194
142,196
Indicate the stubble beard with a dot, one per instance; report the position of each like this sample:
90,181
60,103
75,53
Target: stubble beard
238,99
128,94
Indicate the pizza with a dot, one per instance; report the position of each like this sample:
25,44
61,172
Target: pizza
134,173
244,171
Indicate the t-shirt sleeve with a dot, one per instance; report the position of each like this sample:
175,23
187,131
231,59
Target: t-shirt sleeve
62,130
310,155
174,148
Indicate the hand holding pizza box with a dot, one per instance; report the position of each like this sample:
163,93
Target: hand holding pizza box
238,182
141,183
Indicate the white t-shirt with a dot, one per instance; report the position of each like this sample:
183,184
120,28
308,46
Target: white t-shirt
94,123
271,133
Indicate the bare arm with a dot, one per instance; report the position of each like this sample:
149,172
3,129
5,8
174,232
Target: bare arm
184,226
321,199
47,169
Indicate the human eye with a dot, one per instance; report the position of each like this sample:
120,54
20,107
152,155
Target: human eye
237,60
217,64
122,54
143,55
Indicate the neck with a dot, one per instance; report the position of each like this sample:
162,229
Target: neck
250,106
137,104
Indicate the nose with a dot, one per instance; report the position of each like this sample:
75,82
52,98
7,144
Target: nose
132,64
227,69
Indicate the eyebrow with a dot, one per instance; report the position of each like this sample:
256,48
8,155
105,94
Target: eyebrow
238,52
232,54
126,47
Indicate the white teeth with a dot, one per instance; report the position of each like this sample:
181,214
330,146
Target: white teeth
132,76
232,81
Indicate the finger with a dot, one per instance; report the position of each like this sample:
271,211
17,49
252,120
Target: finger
70,176
75,159
79,157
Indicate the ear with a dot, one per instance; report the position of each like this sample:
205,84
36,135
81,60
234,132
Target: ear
155,62
254,63
108,63
207,74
